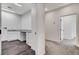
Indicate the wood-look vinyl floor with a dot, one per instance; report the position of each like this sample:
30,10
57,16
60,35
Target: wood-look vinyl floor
16,48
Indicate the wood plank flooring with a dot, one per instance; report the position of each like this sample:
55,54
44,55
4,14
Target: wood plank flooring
16,48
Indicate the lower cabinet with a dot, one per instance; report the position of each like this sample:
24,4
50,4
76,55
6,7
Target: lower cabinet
16,35
23,36
13,35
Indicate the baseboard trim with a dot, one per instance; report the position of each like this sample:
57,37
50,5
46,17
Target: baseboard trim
56,42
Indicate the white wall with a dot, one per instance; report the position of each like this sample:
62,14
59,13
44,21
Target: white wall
53,23
52,26
69,26
37,37
11,21
26,21
41,29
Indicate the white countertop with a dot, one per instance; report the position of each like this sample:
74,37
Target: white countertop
21,30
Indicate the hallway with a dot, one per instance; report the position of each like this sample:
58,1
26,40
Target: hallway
54,48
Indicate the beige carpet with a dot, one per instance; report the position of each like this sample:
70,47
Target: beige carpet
54,48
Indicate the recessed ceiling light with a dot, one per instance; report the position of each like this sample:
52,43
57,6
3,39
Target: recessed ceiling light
17,4
8,10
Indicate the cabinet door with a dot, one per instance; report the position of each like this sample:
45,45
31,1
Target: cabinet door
23,36
13,35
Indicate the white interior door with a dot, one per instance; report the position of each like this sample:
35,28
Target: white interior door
68,27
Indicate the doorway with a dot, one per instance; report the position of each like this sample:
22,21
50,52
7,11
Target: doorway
68,29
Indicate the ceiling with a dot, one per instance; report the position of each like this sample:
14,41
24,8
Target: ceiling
27,6
52,6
